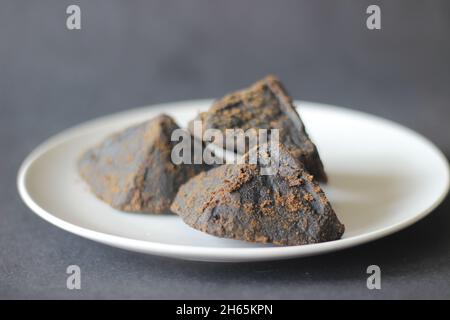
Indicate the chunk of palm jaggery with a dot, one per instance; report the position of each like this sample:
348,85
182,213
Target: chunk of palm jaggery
132,170
265,105
236,201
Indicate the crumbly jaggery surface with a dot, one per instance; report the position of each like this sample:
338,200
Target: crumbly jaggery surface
266,105
132,170
238,202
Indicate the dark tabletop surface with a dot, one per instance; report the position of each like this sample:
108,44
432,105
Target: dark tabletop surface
133,53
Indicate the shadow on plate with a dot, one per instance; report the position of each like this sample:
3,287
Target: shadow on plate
365,202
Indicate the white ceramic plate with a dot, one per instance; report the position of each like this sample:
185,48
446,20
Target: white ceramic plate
383,178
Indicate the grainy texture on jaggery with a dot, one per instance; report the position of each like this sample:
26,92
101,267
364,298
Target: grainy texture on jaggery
238,202
265,105
132,170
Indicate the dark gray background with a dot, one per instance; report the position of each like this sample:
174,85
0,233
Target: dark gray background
133,53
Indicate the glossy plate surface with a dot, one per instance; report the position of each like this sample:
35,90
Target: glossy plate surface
383,178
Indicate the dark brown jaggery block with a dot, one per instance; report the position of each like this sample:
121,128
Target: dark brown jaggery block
236,201
132,170
265,105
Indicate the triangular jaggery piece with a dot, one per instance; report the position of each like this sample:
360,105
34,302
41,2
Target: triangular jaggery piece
132,170
265,105
236,201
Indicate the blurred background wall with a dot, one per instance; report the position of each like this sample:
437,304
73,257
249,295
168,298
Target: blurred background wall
133,53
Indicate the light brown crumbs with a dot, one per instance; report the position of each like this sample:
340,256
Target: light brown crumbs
295,181
293,203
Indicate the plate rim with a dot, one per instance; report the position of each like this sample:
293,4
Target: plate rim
213,253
